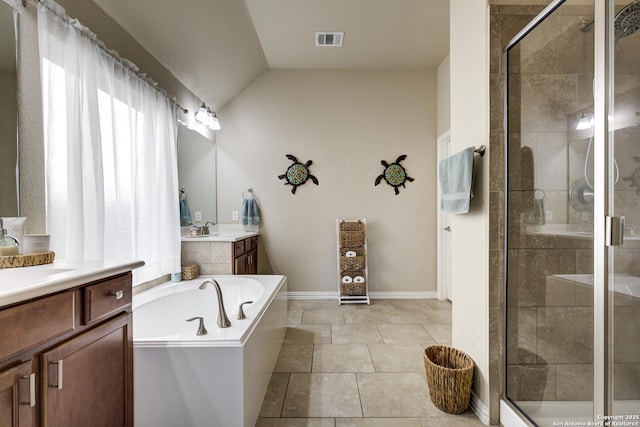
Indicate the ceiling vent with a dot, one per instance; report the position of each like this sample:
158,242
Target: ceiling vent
329,39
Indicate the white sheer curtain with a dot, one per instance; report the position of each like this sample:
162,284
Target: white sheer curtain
110,154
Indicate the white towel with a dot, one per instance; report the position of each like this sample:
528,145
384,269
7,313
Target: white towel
456,178
347,279
358,279
350,254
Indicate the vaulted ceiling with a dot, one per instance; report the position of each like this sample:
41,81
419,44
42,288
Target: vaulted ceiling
217,47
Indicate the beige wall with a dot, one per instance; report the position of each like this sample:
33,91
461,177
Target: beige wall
470,233
444,95
346,122
32,196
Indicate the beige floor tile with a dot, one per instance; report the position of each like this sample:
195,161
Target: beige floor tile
397,357
437,304
463,420
355,334
308,304
308,334
396,334
274,397
295,422
440,333
322,395
341,358
294,316
394,395
371,317
378,422
409,304
294,358
322,316
405,316
439,316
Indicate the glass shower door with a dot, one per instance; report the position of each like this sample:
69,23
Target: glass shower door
624,185
550,224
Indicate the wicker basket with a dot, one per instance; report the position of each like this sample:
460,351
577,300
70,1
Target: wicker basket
351,226
359,250
12,261
353,289
351,238
352,263
190,272
449,375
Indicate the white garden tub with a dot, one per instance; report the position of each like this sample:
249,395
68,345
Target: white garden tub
218,379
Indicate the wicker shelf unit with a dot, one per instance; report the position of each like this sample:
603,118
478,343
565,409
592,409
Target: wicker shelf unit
352,261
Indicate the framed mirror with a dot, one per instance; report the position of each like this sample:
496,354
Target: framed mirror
8,112
197,173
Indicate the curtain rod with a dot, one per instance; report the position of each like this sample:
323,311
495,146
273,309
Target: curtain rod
127,64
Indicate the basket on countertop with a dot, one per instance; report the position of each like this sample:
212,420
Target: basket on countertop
449,375
190,272
28,260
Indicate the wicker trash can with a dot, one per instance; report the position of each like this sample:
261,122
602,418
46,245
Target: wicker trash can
449,375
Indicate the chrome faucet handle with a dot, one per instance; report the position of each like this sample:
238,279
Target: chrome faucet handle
201,329
241,310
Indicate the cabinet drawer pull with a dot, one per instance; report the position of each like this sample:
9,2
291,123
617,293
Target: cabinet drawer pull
60,372
117,294
32,390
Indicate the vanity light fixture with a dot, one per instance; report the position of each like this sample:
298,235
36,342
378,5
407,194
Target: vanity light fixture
585,121
204,116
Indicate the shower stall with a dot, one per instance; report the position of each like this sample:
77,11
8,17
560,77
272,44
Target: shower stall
572,216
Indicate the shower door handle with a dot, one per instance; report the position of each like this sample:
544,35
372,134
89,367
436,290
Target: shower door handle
614,229
447,228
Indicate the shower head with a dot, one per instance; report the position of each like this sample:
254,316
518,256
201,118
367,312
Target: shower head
627,20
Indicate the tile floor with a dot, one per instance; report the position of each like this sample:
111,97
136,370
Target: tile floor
358,366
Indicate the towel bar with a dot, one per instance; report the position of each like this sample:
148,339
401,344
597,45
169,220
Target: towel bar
480,150
251,192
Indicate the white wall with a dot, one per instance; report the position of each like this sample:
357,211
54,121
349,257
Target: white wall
469,54
346,122
444,95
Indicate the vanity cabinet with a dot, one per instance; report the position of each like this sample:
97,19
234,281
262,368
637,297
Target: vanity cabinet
66,359
245,256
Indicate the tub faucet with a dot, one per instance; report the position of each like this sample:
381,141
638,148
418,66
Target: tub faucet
223,320
205,228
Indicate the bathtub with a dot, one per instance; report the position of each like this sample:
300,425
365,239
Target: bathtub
218,379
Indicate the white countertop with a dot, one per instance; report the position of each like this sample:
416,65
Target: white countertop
222,233
23,283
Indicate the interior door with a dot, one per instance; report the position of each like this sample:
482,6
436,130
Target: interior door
445,290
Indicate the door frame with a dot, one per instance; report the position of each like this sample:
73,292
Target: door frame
443,269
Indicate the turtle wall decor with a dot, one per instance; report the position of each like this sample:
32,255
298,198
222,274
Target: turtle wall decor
395,174
297,174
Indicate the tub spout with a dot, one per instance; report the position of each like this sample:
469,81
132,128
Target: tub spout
223,320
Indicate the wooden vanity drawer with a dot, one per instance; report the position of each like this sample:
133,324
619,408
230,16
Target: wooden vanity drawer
253,241
239,248
106,298
32,323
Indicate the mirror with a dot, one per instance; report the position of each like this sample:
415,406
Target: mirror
8,113
197,173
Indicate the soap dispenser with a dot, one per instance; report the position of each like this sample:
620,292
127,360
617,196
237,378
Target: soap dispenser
8,244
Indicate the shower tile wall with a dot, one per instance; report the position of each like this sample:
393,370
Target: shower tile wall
550,331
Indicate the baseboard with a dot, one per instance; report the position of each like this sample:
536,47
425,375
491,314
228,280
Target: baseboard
372,295
480,409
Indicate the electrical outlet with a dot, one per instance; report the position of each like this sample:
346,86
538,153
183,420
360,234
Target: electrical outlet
198,216
548,216
234,215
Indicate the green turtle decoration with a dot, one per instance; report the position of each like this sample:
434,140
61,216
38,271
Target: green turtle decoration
395,174
297,174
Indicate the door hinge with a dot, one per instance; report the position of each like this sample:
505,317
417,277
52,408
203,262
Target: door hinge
614,230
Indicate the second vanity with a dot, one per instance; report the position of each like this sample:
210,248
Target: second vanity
228,249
